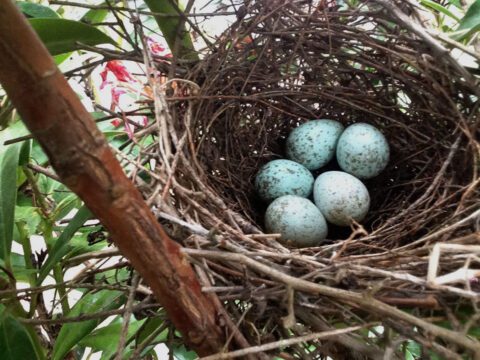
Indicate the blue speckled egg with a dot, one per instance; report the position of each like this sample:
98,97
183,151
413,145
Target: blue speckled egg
313,144
341,197
297,219
363,151
283,177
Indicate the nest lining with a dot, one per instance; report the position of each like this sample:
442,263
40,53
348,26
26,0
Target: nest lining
284,63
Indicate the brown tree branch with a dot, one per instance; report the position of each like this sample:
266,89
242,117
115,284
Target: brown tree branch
81,157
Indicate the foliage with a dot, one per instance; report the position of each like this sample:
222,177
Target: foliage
454,20
61,36
173,28
36,208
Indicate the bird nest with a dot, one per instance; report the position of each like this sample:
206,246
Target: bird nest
403,279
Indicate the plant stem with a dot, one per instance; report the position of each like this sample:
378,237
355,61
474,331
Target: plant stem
27,255
48,221
57,269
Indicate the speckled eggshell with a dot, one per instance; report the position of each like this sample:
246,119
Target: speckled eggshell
297,219
283,177
341,197
363,151
313,144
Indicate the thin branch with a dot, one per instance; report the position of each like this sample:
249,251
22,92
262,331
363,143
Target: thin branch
287,342
141,12
85,317
126,317
367,302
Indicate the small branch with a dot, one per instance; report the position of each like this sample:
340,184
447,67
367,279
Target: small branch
101,254
141,12
126,317
286,342
361,300
41,170
437,48
85,317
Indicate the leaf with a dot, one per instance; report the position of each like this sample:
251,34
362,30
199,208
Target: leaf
61,58
30,216
25,153
62,36
150,326
106,339
181,353
71,333
36,10
20,271
470,23
472,17
9,157
79,245
15,341
94,16
61,244
65,204
169,27
413,350
441,9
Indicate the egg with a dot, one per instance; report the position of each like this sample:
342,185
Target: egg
283,177
297,219
313,144
362,151
341,197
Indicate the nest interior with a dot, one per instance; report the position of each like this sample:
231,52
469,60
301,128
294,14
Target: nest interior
281,64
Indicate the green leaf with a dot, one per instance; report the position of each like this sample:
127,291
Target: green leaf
15,341
19,268
25,153
413,350
150,326
9,157
106,339
181,353
30,216
61,245
72,333
36,10
441,9
169,27
65,205
472,17
62,57
470,23
95,16
62,36
79,245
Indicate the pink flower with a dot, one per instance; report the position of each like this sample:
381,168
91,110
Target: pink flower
116,92
116,122
118,70
155,47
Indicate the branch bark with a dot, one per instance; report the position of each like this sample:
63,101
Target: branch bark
80,155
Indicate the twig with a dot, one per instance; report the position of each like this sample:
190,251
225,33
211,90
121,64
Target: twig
41,170
92,255
437,48
366,302
126,316
85,317
286,342
135,11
